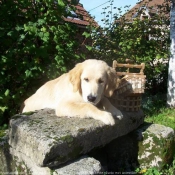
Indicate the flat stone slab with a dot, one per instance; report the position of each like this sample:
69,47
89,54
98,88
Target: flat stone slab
18,163
49,140
82,166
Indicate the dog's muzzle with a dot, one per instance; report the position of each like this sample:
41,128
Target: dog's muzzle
91,98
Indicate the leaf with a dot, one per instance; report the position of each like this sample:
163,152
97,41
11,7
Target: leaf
121,43
128,47
18,28
26,27
89,48
41,34
22,37
10,33
61,3
41,21
7,92
28,73
3,108
86,34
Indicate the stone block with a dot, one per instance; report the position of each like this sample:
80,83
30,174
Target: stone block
18,163
149,146
157,147
14,162
82,166
49,140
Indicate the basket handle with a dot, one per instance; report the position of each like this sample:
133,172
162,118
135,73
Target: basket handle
141,67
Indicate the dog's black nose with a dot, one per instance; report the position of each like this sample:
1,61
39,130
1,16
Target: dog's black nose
91,98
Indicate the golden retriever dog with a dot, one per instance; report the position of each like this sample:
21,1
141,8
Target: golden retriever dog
80,93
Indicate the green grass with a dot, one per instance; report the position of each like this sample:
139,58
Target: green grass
165,116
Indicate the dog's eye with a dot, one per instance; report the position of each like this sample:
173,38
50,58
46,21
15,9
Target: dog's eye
86,79
100,81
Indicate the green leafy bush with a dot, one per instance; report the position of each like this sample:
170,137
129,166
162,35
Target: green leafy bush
36,45
142,41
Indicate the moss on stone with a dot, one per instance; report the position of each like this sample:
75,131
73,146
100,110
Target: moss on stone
81,130
21,115
72,155
75,152
29,113
156,147
2,133
37,121
67,138
52,172
23,169
61,159
16,116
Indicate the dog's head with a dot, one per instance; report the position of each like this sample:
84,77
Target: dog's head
93,79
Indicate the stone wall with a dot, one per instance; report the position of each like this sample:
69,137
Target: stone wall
42,143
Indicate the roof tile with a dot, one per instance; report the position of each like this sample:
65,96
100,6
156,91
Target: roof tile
84,18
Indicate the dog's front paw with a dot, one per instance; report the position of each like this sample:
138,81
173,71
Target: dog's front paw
117,114
107,118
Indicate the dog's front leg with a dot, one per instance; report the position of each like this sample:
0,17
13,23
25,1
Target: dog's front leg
107,106
84,110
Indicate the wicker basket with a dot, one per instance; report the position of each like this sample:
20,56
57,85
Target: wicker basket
127,103
131,84
128,95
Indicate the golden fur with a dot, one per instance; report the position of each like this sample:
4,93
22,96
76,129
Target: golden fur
79,93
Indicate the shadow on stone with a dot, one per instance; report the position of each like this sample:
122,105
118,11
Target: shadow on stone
120,155
150,145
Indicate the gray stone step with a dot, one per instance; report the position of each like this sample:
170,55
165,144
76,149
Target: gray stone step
49,140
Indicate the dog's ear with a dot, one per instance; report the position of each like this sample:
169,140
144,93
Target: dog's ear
74,76
112,82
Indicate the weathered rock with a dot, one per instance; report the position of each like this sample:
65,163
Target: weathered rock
49,140
18,163
158,146
82,166
5,156
151,145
